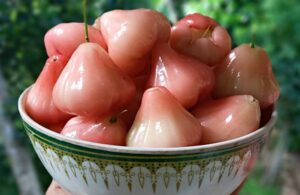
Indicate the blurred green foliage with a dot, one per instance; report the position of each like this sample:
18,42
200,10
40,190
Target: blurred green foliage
7,182
255,186
273,22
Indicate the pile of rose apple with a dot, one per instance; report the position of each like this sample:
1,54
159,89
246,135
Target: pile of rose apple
140,82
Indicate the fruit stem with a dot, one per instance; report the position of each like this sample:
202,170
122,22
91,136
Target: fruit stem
113,119
206,31
85,21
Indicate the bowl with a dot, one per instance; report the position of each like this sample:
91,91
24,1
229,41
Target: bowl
82,167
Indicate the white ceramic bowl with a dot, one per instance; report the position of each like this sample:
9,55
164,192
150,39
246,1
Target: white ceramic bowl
82,167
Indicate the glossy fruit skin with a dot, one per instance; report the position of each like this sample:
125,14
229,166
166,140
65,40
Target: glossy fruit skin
130,36
57,127
186,78
228,118
128,114
39,103
92,85
64,38
247,70
162,122
98,130
201,37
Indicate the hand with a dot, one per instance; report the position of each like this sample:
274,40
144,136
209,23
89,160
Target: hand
236,192
55,189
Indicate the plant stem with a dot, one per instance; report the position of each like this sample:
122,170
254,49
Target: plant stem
85,21
252,44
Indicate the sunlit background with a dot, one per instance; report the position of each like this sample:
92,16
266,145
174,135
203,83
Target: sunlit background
275,24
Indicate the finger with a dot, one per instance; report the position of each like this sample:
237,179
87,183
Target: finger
55,189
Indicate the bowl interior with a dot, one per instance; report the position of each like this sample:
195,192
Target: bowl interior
201,148
247,139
